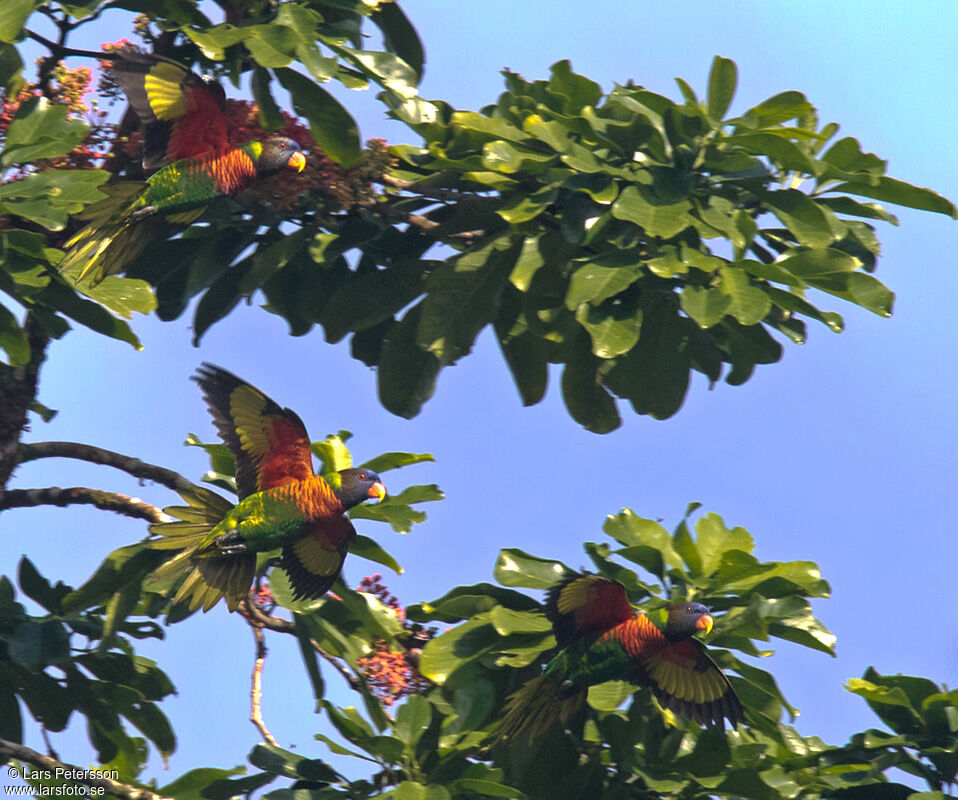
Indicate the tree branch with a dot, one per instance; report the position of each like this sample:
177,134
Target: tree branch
443,195
80,495
256,690
78,775
249,609
18,389
97,455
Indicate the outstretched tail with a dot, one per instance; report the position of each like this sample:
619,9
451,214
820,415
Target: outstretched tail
119,229
208,577
541,704
110,242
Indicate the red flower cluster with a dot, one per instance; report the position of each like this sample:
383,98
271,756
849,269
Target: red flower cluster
264,598
70,88
390,674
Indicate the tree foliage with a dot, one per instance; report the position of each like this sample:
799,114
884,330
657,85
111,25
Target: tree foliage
631,238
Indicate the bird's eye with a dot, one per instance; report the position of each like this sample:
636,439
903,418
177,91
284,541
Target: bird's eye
361,476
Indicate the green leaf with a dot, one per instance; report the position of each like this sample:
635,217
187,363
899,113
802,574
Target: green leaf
395,460
400,36
610,695
722,80
58,296
34,645
515,567
123,296
589,403
410,790
529,261
900,193
41,129
779,109
613,327
811,223
784,154
333,453
13,15
462,298
190,785
654,375
13,339
445,654
407,374
331,125
749,304
599,279
706,306
364,547
810,263
270,116
503,157
412,719
49,197
395,509
714,539
372,297
38,588
639,204
578,91
506,621
483,787
463,602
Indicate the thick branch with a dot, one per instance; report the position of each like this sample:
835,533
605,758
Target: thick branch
80,495
97,455
18,389
78,775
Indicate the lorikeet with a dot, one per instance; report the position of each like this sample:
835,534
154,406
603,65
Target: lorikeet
603,638
282,504
186,130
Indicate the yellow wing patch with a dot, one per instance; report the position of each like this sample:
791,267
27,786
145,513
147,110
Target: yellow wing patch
246,407
316,558
685,682
577,594
164,90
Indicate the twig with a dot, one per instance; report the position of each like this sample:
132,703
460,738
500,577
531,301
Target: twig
80,495
426,224
255,614
60,50
256,692
444,195
79,776
46,740
97,455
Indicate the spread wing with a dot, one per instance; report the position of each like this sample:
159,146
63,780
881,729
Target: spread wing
585,604
313,562
184,116
685,679
270,443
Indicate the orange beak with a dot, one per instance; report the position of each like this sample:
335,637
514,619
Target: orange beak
377,490
704,623
297,161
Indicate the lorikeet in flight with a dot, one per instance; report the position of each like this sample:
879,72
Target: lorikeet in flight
603,638
187,132
282,503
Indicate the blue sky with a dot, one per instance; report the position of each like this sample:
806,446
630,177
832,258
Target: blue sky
843,453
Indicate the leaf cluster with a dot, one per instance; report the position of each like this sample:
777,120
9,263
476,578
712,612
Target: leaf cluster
442,744
635,239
